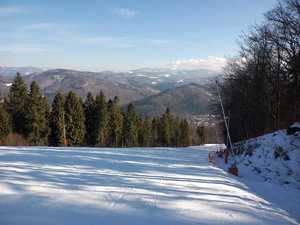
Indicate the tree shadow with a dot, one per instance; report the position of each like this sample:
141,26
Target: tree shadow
120,186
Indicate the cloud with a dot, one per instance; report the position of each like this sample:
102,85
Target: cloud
24,48
158,42
210,63
11,10
66,33
114,42
42,26
125,13
123,41
54,28
49,31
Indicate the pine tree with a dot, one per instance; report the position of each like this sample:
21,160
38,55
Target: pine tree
101,120
74,117
36,116
89,110
5,122
57,121
115,123
130,132
16,104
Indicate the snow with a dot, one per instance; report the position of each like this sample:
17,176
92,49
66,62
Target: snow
296,124
179,81
72,186
141,75
274,157
208,94
274,160
8,84
58,77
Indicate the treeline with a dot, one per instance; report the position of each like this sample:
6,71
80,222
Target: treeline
261,88
26,115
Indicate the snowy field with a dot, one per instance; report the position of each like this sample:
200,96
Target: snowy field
167,186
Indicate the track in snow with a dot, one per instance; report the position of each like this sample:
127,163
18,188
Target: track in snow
88,186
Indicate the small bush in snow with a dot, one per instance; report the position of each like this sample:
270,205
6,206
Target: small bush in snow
280,153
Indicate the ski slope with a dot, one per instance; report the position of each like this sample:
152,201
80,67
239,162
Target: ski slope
166,186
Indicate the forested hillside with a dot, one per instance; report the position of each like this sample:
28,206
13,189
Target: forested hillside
189,99
26,118
130,85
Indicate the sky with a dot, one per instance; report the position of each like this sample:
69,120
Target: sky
124,34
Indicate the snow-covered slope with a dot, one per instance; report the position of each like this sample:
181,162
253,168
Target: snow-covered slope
270,166
273,158
72,186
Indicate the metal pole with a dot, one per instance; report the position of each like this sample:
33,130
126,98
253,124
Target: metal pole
224,116
228,122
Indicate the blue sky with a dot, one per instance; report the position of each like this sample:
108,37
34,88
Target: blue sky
124,34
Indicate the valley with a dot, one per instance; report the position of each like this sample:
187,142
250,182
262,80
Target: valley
185,92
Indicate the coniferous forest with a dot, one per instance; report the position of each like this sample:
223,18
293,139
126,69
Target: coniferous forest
26,118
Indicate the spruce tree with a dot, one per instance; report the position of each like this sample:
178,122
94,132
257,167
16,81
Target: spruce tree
101,120
110,124
140,127
36,116
184,133
146,133
155,127
16,104
75,121
130,129
89,111
115,123
118,117
57,121
166,128
5,122
176,132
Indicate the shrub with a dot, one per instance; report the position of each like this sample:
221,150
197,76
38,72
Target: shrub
14,139
280,153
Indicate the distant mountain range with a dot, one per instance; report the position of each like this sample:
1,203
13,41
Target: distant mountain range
185,100
11,71
186,92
